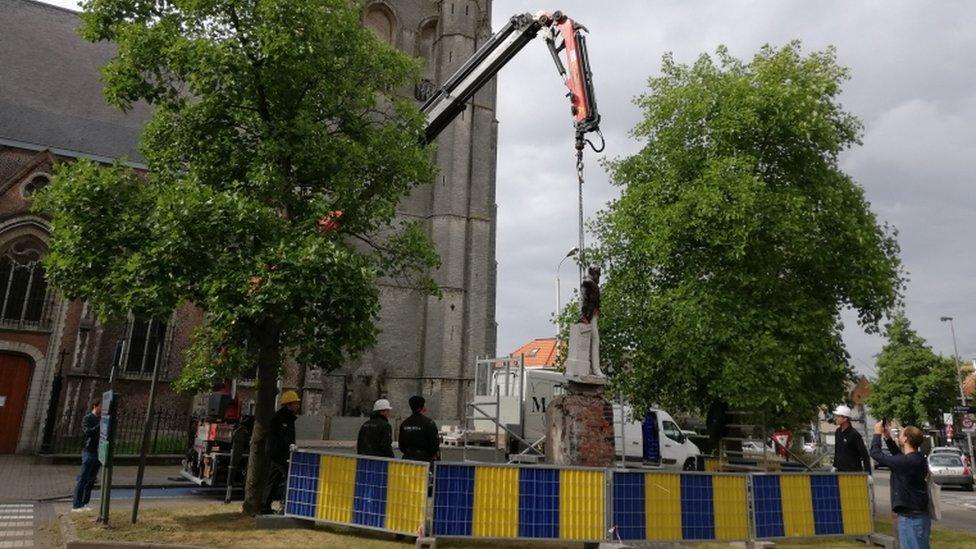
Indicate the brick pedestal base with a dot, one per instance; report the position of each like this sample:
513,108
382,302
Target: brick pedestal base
580,431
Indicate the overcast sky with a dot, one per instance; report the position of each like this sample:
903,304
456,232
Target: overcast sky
913,85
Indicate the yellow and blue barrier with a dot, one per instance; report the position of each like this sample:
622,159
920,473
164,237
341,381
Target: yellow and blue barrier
662,506
574,503
808,505
507,501
377,493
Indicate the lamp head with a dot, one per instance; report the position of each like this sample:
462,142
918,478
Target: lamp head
946,319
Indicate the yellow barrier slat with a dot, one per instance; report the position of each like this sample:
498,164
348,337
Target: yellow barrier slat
662,507
581,504
337,482
496,502
731,507
406,494
855,504
797,505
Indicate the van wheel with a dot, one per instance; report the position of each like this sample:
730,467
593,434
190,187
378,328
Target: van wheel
968,487
689,465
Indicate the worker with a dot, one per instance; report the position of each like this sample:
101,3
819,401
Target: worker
850,453
90,426
419,438
281,437
376,436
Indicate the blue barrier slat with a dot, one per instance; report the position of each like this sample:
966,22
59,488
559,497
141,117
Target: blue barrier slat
652,443
697,507
539,503
767,506
369,497
303,485
453,500
628,505
827,517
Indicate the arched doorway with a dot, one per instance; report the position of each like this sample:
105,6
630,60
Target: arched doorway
15,375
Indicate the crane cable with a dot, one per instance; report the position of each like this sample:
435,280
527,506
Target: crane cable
581,141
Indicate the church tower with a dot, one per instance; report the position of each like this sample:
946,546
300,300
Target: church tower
428,345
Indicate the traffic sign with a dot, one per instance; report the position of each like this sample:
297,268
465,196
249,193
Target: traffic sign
968,424
964,410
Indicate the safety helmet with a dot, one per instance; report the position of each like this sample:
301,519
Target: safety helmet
843,411
288,397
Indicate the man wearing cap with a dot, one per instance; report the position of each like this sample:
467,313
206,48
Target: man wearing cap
419,439
376,435
280,439
850,454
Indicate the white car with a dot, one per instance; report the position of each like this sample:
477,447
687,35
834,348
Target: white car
951,450
810,447
948,469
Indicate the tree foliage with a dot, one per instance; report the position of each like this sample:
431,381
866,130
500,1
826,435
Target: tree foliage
277,152
737,240
914,384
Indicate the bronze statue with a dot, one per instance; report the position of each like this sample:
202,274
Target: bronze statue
590,292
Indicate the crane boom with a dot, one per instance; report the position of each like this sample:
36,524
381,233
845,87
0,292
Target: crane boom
562,34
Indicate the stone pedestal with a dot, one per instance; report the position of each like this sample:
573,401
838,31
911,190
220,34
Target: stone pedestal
579,431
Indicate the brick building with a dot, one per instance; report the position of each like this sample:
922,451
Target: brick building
55,355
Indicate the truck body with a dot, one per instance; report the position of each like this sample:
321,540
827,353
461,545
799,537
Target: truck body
653,438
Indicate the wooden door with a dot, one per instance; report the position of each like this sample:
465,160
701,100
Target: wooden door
15,374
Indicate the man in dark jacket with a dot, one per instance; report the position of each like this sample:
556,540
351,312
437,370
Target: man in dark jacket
376,435
850,454
280,439
419,439
90,427
909,488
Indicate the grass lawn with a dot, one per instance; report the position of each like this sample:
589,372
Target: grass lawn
218,525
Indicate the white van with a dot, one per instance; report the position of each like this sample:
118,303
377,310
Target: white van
654,439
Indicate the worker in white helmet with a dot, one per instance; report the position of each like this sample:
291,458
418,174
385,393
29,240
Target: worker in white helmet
850,453
376,435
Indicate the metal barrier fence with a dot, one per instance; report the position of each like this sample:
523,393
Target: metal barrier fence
509,501
376,493
170,433
491,501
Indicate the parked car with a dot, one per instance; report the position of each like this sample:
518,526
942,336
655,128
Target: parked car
952,450
948,469
810,447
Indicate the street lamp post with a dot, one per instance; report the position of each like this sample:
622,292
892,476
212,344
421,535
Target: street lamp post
962,393
569,254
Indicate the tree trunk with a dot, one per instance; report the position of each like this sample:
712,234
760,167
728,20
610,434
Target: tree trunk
269,363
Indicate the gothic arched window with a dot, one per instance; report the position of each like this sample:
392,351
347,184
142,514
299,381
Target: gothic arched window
23,289
379,19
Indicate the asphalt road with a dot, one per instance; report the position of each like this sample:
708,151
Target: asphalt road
958,506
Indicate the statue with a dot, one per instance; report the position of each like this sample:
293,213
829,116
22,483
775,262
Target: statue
583,353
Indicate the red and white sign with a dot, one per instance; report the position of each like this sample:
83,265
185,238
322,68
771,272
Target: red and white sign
968,425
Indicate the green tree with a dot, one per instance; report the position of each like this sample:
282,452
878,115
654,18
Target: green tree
277,152
914,384
737,240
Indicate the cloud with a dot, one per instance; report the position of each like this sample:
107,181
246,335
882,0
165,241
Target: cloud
911,83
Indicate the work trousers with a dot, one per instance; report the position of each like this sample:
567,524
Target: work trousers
274,489
86,479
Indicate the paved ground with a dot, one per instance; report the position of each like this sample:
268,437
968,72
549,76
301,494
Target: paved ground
958,507
16,525
26,481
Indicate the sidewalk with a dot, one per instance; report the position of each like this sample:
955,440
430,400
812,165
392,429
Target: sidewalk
25,480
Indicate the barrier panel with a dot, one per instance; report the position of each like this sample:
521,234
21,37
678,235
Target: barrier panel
369,492
811,504
493,501
660,506
527,502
